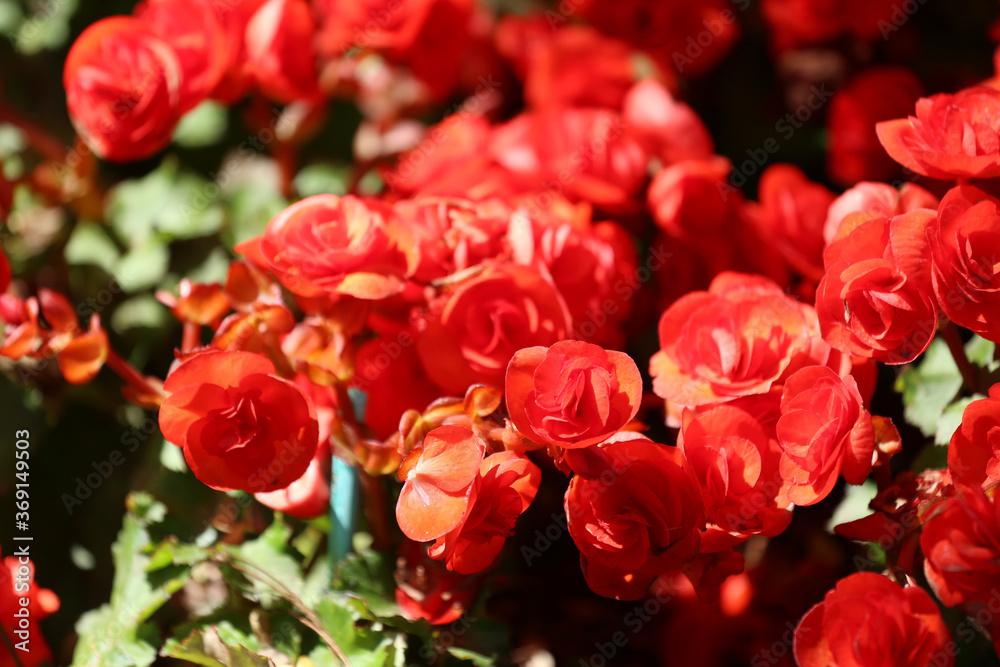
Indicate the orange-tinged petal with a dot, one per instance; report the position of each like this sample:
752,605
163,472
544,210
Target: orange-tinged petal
370,285
895,136
222,368
518,386
811,646
187,405
450,460
58,311
629,380
81,360
425,512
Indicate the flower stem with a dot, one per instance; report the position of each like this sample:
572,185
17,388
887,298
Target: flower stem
286,157
131,375
373,500
970,376
38,139
191,337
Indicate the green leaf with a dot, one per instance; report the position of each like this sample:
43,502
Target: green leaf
281,632
140,312
396,651
195,212
204,125
250,208
116,634
206,647
317,179
47,28
854,505
951,419
368,577
931,456
12,139
172,552
212,269
10,16
90,244
143,267
980,352
272,569
166,201
928,387
172,458
82,557
365,645
477,659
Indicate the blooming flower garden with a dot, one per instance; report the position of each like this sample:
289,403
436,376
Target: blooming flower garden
442,332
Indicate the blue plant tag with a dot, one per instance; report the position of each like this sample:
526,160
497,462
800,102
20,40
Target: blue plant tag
344,492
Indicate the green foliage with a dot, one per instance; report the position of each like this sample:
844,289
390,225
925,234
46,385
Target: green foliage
854,505
213,269
251,206
204,125
142,311
117,633
143,267
90,244
269,565
167,202
951,419
317,179
930,387
364,644
367,577
47,28
207,647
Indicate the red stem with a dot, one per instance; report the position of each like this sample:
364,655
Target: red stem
286,157
131,375
191,337
969,373
883,474
374,506
38,138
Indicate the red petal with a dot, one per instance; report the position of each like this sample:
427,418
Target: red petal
222,368
81,360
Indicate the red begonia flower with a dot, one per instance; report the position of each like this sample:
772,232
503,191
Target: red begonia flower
280,47
23,603
961,545
739,338
636,520
735,461
472,333
876,299
951,136
867,621
327,244
506,485
965,247
123,89
437,482
194,30
572,394
824,431
241,427
974,451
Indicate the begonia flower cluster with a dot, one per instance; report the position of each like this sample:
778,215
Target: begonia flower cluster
469,330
